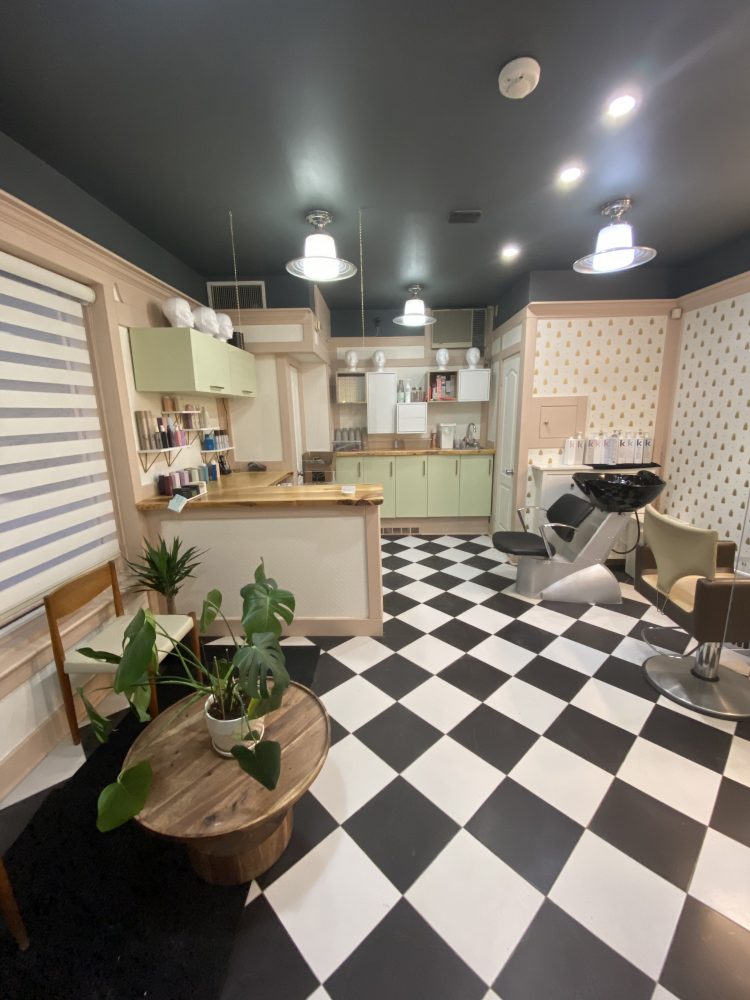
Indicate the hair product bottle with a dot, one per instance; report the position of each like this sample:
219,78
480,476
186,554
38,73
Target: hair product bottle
569,451
580,449
638,454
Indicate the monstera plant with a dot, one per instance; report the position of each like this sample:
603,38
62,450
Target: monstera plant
237,692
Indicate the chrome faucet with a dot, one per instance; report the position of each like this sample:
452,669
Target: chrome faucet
471,434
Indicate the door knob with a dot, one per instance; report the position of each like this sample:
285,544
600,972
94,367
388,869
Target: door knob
509,472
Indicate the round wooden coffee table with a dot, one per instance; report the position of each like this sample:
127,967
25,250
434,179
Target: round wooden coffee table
234,829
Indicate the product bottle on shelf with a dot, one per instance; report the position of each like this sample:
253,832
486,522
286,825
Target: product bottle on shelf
569,451
612,449
580,449
400,396
638,454
648,448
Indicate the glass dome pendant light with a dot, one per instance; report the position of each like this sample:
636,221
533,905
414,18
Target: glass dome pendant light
414,310
320,262
614,245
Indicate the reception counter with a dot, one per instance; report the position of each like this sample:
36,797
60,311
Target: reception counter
320,543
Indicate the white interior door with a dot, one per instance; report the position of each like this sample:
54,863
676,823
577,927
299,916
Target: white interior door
297,445
506,459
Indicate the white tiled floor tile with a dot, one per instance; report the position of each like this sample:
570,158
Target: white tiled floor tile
738,762
409,541
527,704
722,877
504,570
416,571
614,621
412,555
568,782
725,725
253,893
614,705
482,540
423,617
441,704
485,618
628,591
449,541
320,994
58,765
633,650
504,655
431,653
360,653
492,553
462,571
575,655
351,775
456,555
550,621
472,592
330,901
512,592
628,906
355,702
661,994
296,640
476,903
453,778
655,617
671,778
419,591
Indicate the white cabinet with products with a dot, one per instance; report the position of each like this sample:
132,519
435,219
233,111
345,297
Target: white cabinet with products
381,402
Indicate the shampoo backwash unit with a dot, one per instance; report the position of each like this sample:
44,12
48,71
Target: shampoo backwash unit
584,578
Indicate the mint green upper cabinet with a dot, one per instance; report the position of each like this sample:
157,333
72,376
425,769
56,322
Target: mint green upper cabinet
349,470
241,372
411,486
475,485
176,359
382,471
443,479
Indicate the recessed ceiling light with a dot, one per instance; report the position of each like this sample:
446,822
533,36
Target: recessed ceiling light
621,105
509,252
570,174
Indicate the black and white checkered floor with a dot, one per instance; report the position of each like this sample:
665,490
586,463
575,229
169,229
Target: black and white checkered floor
508,810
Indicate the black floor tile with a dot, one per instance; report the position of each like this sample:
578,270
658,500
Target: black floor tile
522,634
474,677
474,547
329,641
525,832
329,674
337,731
505,604
709,958
397,634
449,604
312,824
395,562
436,562
15,818
636,609
460,634
494,581
494,737
558,958
626,676
445,581
481,562
404,959
688,737
593,636
401,831
431,547
396,675
394,580
553,678
572,609
396,604
398,736
264,961
731,815
659,837
588,736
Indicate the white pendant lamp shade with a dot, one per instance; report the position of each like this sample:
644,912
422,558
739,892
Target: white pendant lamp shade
614,245
320,262
414,311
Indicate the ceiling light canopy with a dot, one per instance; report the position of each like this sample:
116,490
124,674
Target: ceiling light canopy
510,252
621,105
570,174
414,310
615,250
518,78
320,262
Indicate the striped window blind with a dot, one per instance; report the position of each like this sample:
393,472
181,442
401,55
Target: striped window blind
56,513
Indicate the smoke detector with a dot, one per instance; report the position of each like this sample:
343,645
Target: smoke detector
519,77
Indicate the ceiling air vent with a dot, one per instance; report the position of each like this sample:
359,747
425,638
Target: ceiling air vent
222,295
464,215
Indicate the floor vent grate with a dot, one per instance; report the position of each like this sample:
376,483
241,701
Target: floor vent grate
400,530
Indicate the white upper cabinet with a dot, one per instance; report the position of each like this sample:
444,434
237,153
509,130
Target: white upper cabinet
381,402
411,418
473,385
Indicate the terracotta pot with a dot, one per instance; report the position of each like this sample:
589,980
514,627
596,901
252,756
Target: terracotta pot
226,733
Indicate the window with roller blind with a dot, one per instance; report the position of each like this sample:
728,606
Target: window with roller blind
56,514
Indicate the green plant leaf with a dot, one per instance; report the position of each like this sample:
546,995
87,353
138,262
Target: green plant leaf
137,657
162,568
254,664
101,725
99,654
263,763
124,798
211,608
134,625
140,698
264,606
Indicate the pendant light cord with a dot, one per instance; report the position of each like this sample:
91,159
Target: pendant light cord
234,264
361,278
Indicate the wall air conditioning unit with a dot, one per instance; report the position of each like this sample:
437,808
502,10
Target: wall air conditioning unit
458,328
222,295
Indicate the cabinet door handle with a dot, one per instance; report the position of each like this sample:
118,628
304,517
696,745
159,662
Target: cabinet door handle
248,392
359,469
489,466
456,466
219,387
424,467
391,472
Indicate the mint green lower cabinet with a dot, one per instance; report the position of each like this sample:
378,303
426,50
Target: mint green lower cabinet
383,471
411,486
475,486
443,479
349,470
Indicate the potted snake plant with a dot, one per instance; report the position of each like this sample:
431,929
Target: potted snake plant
237,692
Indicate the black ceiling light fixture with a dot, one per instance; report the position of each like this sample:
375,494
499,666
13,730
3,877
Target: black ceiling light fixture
320,262
615,250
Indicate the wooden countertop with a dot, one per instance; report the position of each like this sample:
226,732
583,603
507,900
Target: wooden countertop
242,489
393,452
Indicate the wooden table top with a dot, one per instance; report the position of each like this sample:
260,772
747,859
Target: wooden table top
197,793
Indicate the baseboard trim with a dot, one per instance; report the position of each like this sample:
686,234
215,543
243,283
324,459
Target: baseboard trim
435,525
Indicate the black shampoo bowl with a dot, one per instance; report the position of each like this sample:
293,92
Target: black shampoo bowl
616,493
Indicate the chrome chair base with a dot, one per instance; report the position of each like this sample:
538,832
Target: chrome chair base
725,694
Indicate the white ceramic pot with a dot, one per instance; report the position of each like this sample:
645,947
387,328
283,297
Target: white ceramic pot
226,733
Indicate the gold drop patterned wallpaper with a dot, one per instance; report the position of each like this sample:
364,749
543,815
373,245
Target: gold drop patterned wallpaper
708,466
615,361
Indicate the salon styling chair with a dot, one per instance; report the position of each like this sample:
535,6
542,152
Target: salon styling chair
690,575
